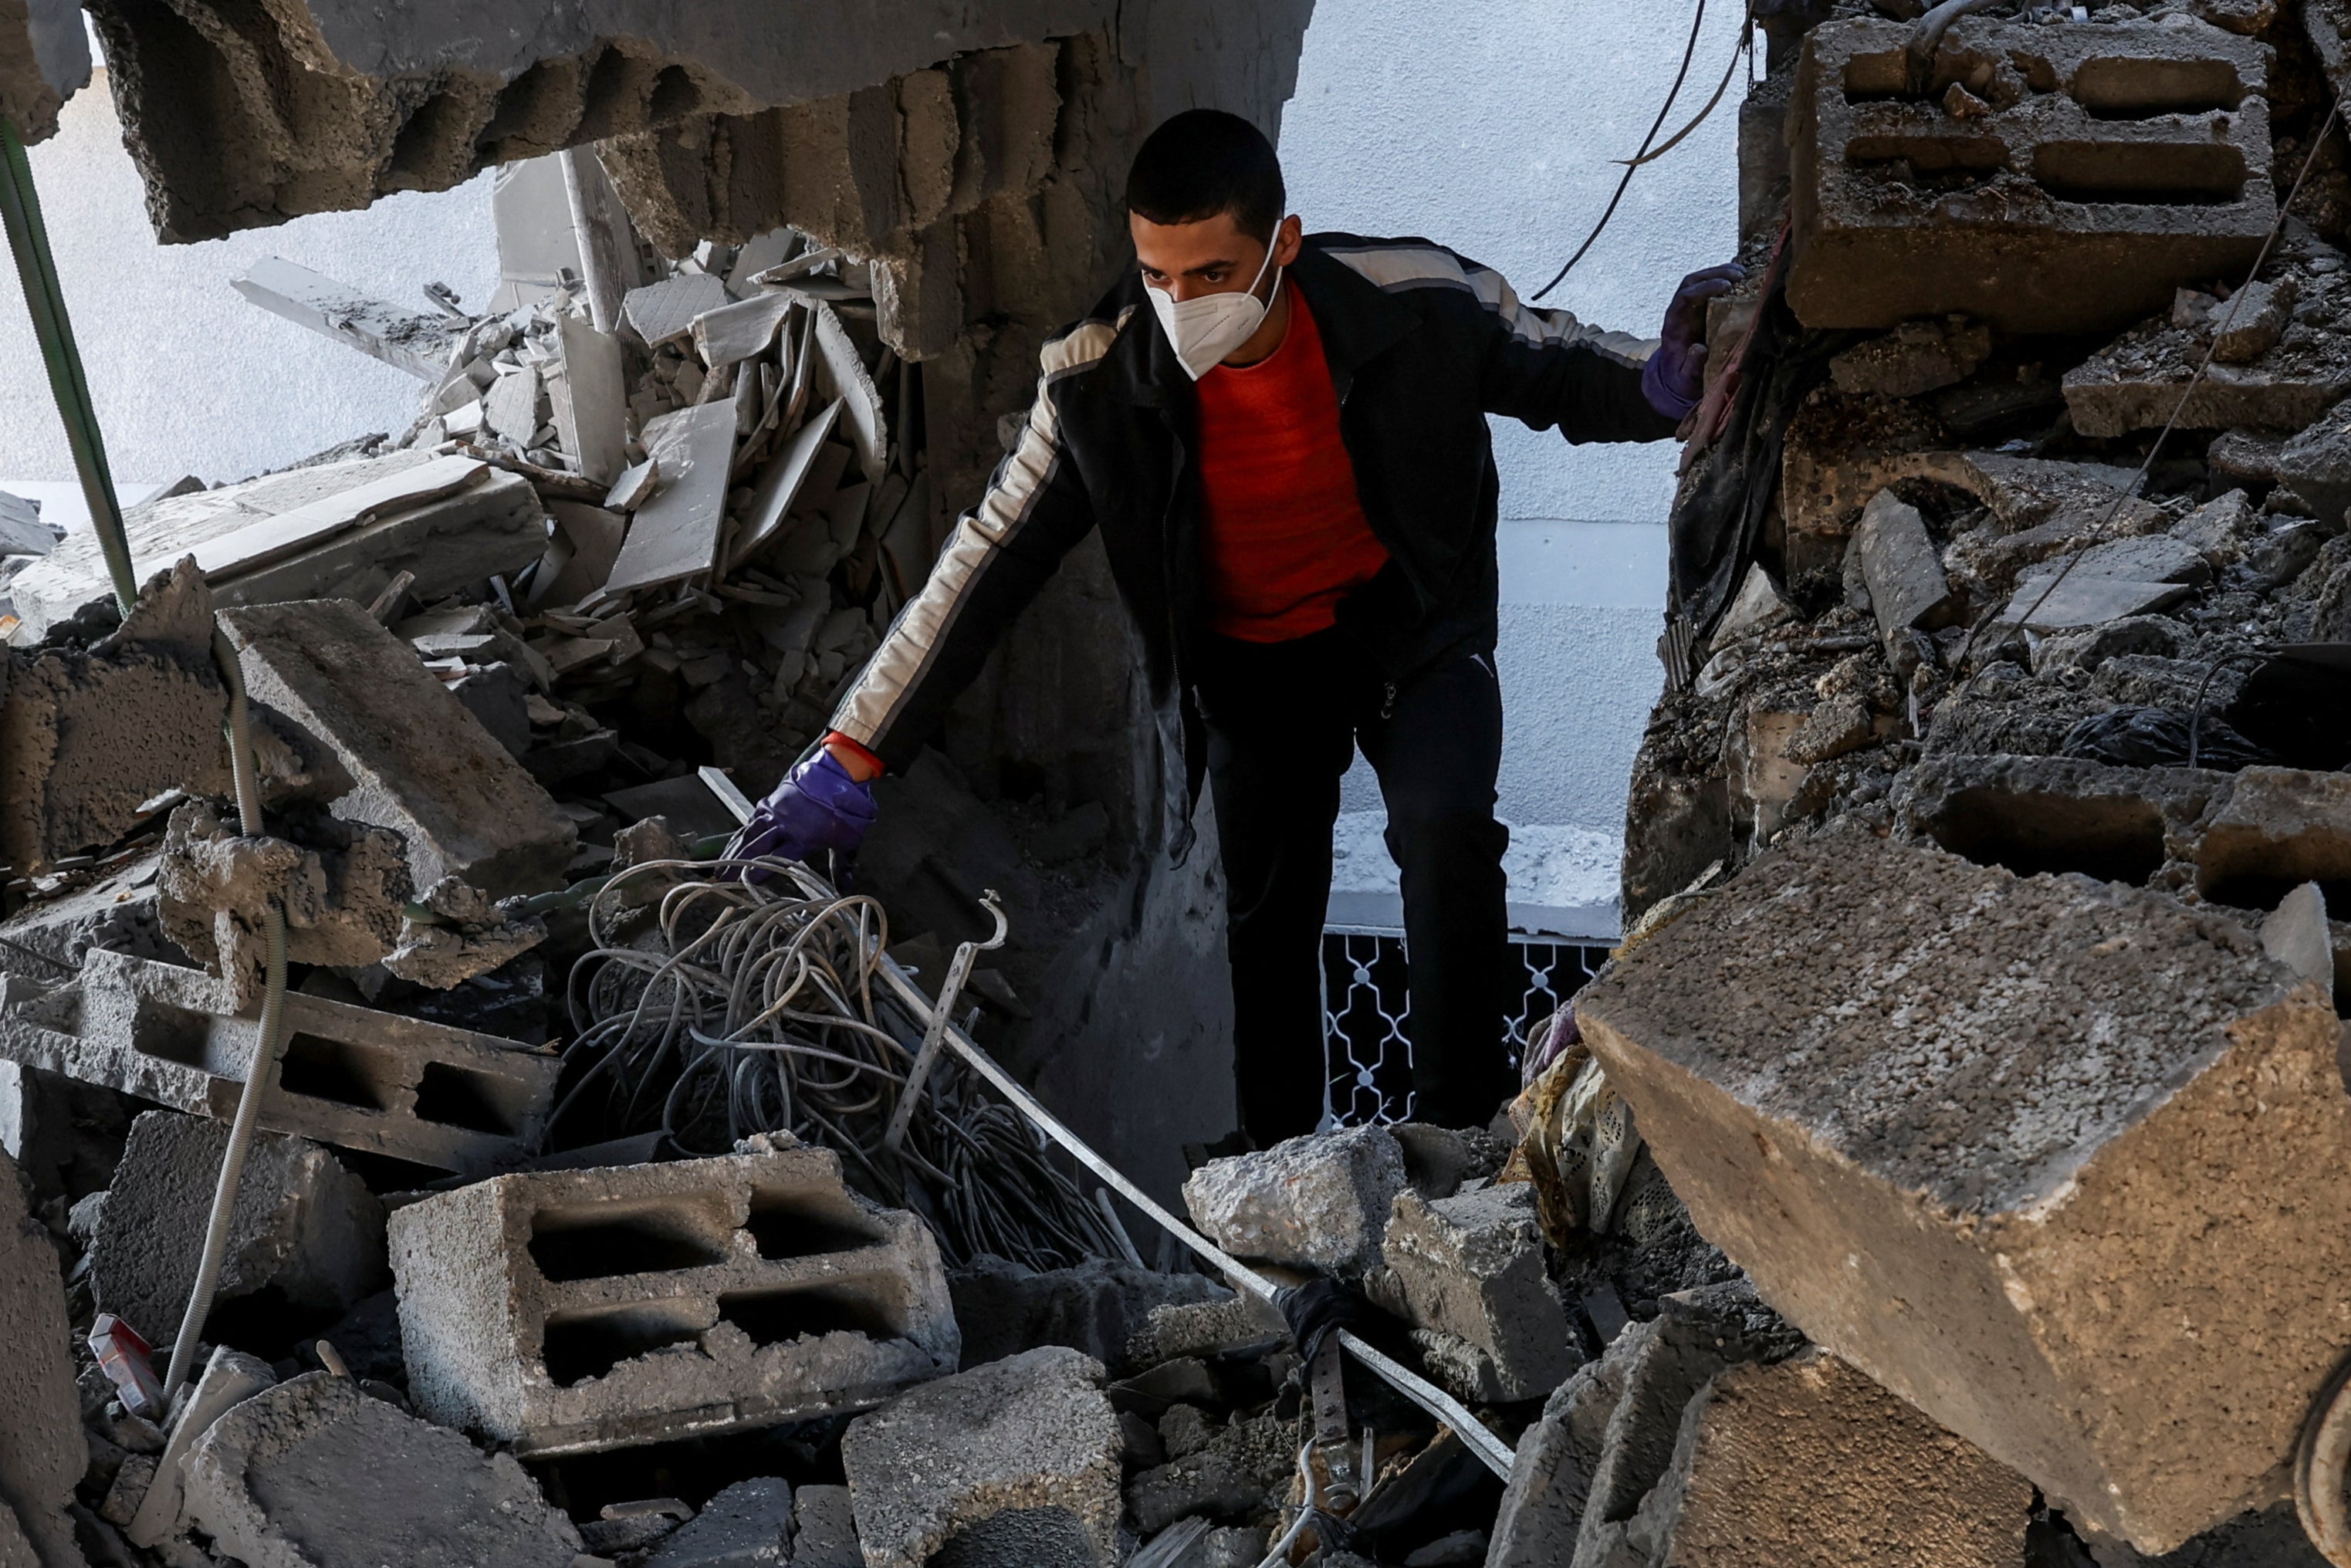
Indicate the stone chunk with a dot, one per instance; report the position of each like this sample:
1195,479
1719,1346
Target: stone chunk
42,1453
2251,323
563,1312
2080,195
315,1473
1234,1475
229,1378
748,1525
43,60
1011,1464
1471,1267
88,737
1808,1464
1906,586
1315,1202
1877,1101
2280,827
1097,1307
420,764
304,1228
1916,358
824,1532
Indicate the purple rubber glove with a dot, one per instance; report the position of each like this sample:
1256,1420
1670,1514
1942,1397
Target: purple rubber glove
1675,378
817,807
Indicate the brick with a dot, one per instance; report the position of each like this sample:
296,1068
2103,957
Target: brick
42,1452
380,1083
304,1228
1808,1464
1471,1269
417,762
316,1472
564,1312
2116,163
2051,1159
1011,1464
1316,1202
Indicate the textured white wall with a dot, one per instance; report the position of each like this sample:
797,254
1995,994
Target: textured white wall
187,377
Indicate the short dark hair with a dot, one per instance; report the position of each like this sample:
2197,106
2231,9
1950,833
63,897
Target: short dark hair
1204,162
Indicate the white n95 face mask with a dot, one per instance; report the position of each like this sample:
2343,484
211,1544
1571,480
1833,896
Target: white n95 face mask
1206,329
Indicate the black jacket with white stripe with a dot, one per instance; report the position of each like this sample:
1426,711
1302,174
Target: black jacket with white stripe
1422,344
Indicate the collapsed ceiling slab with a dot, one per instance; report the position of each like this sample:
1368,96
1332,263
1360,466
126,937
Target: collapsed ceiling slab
241,117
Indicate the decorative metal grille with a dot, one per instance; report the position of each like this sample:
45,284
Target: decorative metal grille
1367,1039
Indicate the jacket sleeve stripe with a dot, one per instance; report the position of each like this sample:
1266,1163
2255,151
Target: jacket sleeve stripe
1396,267
981,541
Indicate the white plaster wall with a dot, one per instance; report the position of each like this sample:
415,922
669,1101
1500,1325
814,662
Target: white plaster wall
1492,129
189,378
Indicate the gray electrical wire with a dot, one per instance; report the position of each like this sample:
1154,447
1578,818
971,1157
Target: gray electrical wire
712,1006
258,1076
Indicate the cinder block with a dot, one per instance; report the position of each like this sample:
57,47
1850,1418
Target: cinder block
420,764
1316,1202
2099,169
2056,814
563,1312
1808,1464
304,1228
42,1453
315,1473
2280,828
1011,1464
350,1076
2053,1160
1471,1269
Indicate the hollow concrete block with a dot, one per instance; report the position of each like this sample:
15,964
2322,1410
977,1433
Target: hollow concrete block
2051,1159
2100,169
303,1227
1011,1464
420,764
1471,1269
316,1473
564,1312
351,1076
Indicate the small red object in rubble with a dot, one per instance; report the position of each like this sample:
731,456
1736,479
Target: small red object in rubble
127,1362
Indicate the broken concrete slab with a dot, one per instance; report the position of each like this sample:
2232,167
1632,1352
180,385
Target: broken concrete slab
491,526
1940,1142
420,764
304,1228
1472,1270
747,1525
564,1312
1316,1202
410,340
1550,1484
1807,1463
2049,604
42,1453
380,1083
2279,828
46,53
1898,562
228,1378
591,399
2086,190
342,903
741,331
838,371
2150,558
316,1473
87,738
677,533
1232,1477
779,486
664,311
1011,1464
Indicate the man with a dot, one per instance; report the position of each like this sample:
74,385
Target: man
1283,440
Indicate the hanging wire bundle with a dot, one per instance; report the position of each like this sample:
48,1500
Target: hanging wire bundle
711,1007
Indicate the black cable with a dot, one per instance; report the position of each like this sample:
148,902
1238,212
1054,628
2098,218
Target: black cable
1689,54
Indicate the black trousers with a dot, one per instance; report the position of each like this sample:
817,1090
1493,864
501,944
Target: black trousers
1283,722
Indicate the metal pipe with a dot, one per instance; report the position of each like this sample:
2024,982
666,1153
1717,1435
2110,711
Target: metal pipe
934,1038
45,300
599,247
267,1039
